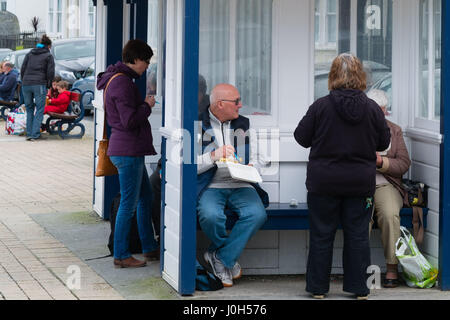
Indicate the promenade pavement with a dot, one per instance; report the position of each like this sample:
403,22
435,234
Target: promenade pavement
49,236
49,176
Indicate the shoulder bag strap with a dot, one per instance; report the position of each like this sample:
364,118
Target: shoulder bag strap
417,222
104,102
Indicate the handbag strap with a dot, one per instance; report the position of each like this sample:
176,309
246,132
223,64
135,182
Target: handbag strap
104,102
417,222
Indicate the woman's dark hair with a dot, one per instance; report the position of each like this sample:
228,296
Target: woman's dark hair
46,40
57,79
136,49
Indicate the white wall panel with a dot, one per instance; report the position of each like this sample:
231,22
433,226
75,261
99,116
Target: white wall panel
425,173
425,153
172,197
291,151
292,182
433,223
273,189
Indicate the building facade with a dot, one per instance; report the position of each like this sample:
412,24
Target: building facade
59,18
278,54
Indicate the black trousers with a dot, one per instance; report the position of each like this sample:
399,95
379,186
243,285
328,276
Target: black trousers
325,214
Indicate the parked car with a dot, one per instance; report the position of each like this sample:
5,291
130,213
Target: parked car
87,82
72,57
385,84
375,71
17,57
4,53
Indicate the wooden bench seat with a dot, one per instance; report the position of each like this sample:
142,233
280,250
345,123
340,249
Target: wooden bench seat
281,216
62,116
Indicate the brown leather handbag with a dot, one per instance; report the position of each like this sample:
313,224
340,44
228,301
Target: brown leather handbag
104,165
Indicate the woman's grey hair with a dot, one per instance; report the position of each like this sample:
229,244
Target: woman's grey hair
379,96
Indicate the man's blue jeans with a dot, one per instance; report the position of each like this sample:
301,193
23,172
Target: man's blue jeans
246,203
136,193
34,121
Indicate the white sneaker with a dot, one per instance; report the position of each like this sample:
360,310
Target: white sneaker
219,269
236,271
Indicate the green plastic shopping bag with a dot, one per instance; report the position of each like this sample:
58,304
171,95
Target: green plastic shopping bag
417,271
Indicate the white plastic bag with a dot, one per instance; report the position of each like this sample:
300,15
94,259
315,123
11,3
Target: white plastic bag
417,271
16,122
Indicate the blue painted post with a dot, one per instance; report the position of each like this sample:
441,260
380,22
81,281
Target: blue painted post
444,207
114,29
189,115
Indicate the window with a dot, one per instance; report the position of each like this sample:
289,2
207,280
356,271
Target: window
4,5
331,21
154,40
430,60
51,12
55,16
59,16
368,35
236,47
325,23
91,15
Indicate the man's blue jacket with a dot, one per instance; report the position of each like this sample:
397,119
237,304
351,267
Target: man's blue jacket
8,85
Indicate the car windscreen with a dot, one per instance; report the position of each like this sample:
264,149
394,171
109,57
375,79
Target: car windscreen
74,50
20,59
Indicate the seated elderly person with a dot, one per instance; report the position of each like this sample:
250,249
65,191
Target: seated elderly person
8,83
392,164
225,133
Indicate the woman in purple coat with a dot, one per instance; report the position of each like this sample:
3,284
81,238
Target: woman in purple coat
130,141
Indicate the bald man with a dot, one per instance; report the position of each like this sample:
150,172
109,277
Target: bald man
226,135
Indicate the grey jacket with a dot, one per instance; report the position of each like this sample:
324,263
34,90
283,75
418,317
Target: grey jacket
38,68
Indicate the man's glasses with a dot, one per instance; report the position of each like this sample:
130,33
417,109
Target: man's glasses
236,101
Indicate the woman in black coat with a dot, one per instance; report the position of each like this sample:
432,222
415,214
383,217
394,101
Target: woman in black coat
37,72
344,130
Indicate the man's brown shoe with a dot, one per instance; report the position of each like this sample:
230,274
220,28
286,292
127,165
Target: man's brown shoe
129,263
152,255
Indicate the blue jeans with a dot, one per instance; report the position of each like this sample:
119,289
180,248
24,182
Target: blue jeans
136,193
246,203
34,121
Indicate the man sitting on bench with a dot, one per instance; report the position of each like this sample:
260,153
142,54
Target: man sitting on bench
222,128
8,82
388,199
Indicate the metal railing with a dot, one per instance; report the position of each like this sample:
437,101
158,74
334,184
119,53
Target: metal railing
21,41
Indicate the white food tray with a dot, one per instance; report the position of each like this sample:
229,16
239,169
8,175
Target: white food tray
241,172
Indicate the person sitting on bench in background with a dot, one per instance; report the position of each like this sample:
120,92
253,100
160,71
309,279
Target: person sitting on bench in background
8,83
53,91
388,199
217,190
61,103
